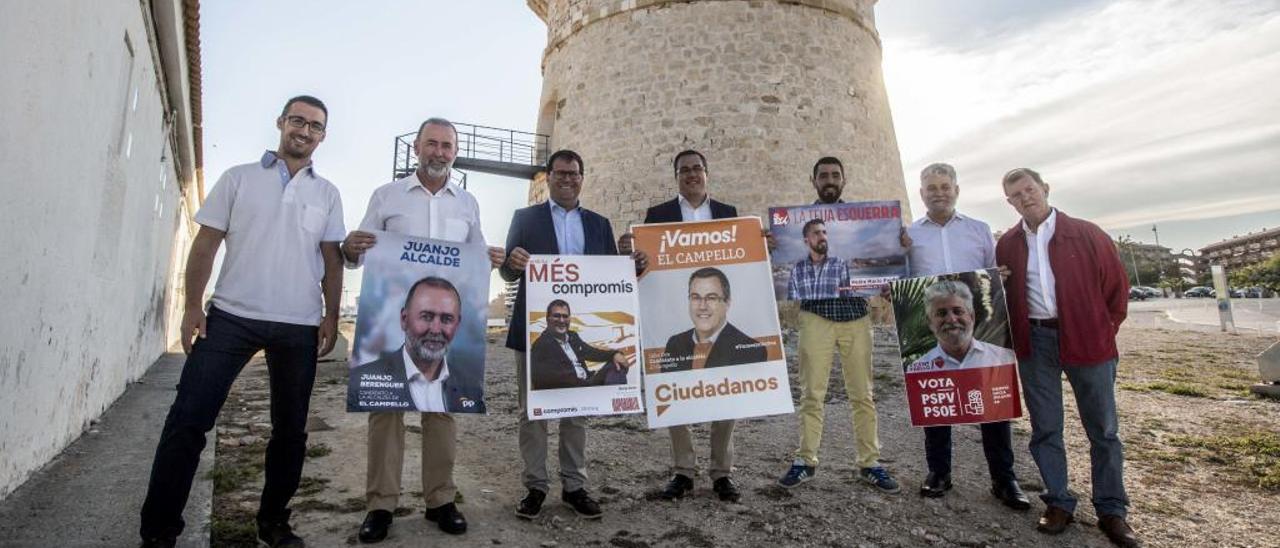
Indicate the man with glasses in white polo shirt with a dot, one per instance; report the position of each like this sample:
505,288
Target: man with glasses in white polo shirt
423,204
278,291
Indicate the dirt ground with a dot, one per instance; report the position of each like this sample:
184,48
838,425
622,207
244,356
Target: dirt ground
1202,468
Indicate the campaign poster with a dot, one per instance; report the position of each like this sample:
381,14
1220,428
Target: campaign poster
824,251
583,338
420,330
712,349
957,361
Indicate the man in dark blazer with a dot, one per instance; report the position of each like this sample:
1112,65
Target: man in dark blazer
556,367
724,344
693,204
559,226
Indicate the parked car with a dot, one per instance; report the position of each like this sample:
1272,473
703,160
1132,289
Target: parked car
1253,293
1236,293
1198,291
1152,292
1137,294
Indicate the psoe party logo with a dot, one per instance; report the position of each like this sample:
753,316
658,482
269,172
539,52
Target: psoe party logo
668,394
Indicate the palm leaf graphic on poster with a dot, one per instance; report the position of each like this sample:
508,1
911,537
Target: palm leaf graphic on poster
914,337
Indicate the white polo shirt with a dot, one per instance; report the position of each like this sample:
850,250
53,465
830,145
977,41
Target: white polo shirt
981,354
272,268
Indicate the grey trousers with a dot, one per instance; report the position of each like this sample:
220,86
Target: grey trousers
533,444
685,458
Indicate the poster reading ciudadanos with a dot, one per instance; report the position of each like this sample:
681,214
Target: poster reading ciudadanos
420,331
862,237
712,347
583,338
953,331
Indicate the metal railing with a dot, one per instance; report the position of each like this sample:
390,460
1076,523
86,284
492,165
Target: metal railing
505,146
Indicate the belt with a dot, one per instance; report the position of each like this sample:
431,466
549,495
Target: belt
1051,323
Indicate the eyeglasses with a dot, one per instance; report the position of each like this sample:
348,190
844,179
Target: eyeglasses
711,299
694,169
565,175
300,122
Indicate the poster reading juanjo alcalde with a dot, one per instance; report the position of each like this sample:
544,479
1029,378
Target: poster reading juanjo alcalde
856,244
583,338
712,346
420,331
953,331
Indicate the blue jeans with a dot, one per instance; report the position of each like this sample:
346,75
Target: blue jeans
997,445
211,368
1094,388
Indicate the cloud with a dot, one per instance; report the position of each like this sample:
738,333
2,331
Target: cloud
1135,111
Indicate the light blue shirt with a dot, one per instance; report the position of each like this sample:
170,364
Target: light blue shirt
569,234
963,244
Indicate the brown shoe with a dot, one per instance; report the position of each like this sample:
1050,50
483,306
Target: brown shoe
1118,532
1054,521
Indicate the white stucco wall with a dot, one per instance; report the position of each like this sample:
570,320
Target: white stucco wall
92,223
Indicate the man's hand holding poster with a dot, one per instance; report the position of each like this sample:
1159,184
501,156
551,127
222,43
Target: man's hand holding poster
836,250
582,336
717,355
953,331
420,331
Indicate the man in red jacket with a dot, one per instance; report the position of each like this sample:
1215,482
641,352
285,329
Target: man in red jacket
1067,295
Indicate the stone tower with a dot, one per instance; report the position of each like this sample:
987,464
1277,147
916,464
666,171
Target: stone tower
762,87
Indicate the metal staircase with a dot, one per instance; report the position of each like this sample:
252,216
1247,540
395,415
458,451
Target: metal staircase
482,149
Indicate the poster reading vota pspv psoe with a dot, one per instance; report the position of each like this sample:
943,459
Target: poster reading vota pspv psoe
712,349
953,332
583,338
824,251
420,331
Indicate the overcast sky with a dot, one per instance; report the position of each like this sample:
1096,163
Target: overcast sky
1136,112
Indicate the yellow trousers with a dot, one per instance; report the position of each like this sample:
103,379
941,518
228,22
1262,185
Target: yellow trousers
820,338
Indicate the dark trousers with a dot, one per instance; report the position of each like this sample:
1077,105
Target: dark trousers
997,444
210,369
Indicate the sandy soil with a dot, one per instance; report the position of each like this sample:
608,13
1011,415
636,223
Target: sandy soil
1196,471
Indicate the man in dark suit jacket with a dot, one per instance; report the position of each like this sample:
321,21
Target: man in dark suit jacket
554,367
559,226
462,393
692,204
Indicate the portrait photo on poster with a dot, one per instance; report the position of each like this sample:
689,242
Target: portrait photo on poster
824,251
709,318
953,334
419,341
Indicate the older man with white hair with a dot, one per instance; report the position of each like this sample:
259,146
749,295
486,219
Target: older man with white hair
944,241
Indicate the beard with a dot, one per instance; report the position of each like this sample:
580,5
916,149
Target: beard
421,348
437,170
829,193
954,333
820,248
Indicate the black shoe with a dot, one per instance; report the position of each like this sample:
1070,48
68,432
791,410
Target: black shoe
727,489
278,534
448,518
935,485
531,506
159,542
582,503
679,485
374,528
1011,495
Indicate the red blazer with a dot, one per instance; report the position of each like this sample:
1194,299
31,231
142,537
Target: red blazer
1091,286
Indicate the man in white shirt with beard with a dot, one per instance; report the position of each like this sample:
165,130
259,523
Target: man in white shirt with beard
424,204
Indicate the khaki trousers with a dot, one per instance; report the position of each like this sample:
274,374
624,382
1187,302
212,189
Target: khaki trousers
386,459
819,339
533,444
685,459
